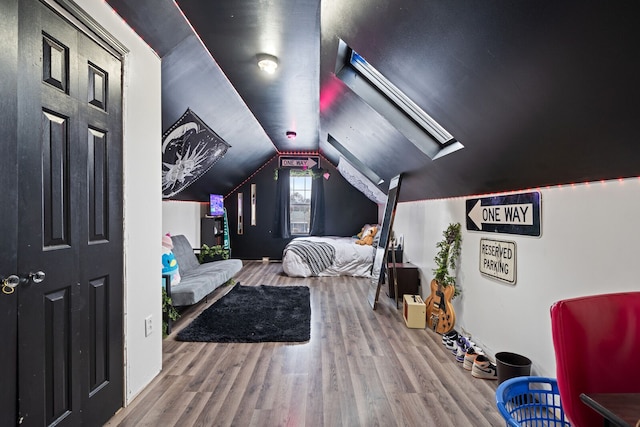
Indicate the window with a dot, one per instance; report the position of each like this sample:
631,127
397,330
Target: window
299,204
393,104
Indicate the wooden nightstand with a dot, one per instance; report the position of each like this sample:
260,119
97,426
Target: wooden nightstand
408,279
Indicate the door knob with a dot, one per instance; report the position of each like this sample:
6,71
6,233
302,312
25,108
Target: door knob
8,284
37,277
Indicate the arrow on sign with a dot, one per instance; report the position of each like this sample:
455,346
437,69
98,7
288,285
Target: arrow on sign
512,214
311,163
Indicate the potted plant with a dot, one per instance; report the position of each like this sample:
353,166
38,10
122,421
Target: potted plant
169,312
440,314
448,253
212,253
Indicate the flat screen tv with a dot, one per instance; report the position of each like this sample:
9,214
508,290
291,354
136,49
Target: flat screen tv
216,205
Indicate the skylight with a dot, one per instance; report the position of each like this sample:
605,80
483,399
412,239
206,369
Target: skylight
388,100
371,175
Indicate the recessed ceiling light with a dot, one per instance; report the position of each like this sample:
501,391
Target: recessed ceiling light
291,134
267,63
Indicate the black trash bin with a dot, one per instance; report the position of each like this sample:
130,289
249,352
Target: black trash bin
511,365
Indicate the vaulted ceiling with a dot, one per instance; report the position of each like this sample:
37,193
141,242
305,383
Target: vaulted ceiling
538,93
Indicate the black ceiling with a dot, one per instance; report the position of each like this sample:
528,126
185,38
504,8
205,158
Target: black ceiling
539,93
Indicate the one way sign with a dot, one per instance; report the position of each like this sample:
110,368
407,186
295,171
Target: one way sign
511,214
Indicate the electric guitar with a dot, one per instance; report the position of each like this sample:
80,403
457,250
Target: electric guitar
440,314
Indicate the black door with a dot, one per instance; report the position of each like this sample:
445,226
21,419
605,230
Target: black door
8,207
70,325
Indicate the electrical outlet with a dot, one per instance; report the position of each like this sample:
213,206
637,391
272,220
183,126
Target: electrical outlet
148,326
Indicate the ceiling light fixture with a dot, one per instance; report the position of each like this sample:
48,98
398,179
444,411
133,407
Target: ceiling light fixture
291,134
267,63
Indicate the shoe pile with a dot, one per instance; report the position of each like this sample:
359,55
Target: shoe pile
471,356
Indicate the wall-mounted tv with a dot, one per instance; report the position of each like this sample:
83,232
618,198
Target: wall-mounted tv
216,205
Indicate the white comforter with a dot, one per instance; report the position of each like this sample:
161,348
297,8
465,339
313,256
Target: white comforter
351,259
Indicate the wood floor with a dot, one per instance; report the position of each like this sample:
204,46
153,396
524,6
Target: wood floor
360,368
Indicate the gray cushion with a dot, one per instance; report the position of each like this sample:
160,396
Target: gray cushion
183,252
198,280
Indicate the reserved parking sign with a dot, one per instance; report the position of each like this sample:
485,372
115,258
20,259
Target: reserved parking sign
498,260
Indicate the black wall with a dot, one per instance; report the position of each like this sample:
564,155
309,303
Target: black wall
346,211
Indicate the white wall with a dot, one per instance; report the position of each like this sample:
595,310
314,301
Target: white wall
588,246
180,217
142,199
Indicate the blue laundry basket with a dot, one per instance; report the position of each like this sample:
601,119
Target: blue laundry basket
530,401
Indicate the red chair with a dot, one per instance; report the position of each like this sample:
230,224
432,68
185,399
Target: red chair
597,346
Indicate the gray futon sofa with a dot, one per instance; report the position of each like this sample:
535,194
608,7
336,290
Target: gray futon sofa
198,280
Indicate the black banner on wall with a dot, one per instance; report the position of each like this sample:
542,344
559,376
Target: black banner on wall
189,149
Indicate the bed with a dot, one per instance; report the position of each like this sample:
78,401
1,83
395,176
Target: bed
327,256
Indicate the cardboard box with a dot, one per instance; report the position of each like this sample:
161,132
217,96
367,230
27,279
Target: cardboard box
414,311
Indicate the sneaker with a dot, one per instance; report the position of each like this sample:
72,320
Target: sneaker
461,349
461,346
449,340
449,335
470,357
483,368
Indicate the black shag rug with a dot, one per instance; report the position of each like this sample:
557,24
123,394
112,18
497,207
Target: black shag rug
254,314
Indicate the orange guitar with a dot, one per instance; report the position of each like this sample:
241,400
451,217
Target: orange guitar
440,314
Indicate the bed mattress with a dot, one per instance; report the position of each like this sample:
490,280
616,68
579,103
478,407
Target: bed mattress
350,259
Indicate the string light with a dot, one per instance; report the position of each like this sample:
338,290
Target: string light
251,176
280,153
298,153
